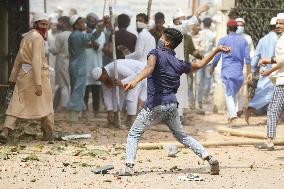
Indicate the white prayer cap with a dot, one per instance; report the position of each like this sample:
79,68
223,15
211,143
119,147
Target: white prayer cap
178,14
240,20
127,12
97,72
74,19
40,16
53,19
273,21
280,16
59,8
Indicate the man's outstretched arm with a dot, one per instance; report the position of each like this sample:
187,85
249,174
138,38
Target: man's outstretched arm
208,58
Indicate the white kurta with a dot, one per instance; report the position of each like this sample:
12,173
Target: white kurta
144,44
51,59
182,93
127,70
279,56
94,59
60,50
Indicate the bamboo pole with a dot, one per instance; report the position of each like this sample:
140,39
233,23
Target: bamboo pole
241,142
149,9
243,133
3,85
104,8
115,63
193,8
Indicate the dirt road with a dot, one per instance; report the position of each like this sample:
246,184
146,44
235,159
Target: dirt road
36,164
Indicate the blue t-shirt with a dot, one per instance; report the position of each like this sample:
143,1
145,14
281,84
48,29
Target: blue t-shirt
163,83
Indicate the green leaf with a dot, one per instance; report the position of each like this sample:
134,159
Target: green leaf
85,165
98,153
30,158
38,148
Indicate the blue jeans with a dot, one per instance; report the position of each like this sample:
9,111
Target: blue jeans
167,114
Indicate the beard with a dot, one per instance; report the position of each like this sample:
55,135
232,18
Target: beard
43,32
139,30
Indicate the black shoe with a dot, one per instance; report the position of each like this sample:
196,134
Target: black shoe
214,166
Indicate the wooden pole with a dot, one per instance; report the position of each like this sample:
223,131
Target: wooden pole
3,85
243,133
104,8
149,9
115,63
44,6
241,142
193,4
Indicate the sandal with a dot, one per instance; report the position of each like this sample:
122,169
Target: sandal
3,139
266,147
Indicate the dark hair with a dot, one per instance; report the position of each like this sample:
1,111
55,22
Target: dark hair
207,22
64,19
123,21
174,36
272,27
74,11
159,16
232,28
144,16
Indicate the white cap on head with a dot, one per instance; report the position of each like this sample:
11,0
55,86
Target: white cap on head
97,72
53,19
178,14
240,20
59,8
40,16
74,19
280,16
273,21
127,12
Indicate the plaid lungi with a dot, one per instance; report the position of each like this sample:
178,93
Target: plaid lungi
275,109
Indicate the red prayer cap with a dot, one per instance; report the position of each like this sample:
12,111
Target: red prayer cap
232,23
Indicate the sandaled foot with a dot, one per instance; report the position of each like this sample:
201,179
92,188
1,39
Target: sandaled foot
4,136
3,139
47,134
232,120
240,113
265,146
247,115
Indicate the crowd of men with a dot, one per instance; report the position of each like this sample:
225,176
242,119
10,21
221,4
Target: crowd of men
80,62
